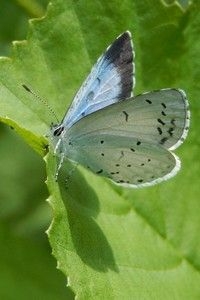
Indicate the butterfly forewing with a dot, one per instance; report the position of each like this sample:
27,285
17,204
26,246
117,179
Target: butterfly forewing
111,79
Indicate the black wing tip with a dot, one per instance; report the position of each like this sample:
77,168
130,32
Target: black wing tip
122,43
120,53
126,35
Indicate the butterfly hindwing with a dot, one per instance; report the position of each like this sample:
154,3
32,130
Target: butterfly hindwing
110,80
125,161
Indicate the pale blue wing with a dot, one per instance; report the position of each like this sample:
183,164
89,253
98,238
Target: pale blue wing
132,137
110,80
122,160
157,117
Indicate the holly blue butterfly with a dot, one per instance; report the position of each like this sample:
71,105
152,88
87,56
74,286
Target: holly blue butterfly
124,138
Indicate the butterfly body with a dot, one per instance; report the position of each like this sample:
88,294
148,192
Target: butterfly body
124,138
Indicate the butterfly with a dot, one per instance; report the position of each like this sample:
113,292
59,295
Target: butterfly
128,139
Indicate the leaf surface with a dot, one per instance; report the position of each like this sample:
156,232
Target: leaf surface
113,242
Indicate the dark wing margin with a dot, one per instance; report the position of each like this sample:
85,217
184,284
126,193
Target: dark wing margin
121,54
110,81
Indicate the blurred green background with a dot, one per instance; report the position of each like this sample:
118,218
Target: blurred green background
28,270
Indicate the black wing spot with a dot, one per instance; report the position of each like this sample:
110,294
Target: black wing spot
128,166
164,105
133,150
152,177
121,181
117,172
122,154
148,101
140,180
101,141
112,173
126,115
99,172
117,165
173,122
159,130
170,131
90,96
142,165
138,143
163,140
128,181
163,113
102,154
161,122
149,160
186,128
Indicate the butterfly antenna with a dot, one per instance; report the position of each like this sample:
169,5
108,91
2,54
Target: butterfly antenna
41,100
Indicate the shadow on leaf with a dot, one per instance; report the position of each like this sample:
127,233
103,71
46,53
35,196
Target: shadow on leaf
82,206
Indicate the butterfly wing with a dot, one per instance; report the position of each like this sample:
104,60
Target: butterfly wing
157,117
110,80
132,137
126,163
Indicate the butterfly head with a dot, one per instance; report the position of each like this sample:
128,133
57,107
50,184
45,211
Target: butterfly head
57,129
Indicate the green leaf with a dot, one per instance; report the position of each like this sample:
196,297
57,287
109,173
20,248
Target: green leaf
111,242
28,274
12,16
27,268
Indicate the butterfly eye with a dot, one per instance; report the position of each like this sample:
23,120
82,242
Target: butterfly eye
58,130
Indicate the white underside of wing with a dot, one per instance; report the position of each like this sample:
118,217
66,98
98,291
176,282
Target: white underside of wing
129,142
125,161
174,171
158,117
186,125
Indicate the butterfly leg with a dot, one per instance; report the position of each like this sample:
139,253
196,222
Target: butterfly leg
59,165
